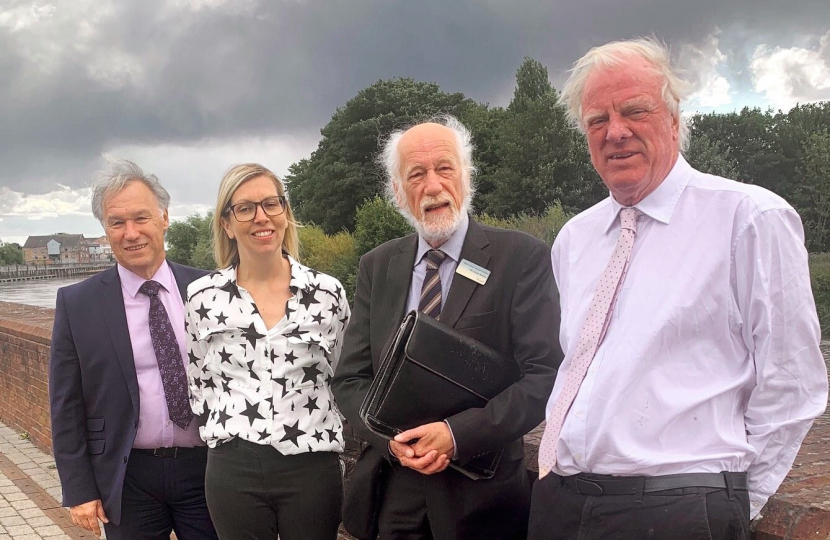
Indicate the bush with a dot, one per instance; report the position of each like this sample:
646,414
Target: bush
376,222
820,276
545,227
333,255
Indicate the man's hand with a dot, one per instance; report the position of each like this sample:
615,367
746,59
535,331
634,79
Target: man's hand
430,453
86,516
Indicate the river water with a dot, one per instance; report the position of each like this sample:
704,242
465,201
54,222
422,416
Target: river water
36,292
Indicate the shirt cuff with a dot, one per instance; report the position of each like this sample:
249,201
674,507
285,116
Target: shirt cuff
454,446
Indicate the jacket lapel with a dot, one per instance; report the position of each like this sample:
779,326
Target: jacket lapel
396,288
181,280
112,303
462,288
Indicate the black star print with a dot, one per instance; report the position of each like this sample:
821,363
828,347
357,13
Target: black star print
318,318
252,412
226,356
288,311
310,374
192,357
223,417
251,334
209,383
337,290
311,405
297,333
334,310
251,370
332,435
255,311
344,320
197,382
203,312
313,272
318,435
263,434
226,387
282,381
309,297
290,357
292,433
221,318
232,290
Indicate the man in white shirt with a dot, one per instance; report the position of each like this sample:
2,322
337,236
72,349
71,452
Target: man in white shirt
692,367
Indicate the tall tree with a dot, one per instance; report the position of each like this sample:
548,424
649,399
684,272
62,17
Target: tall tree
710,156
341,174
541,160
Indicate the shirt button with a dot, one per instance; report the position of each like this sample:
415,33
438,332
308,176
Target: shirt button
578,456
580,414
125,459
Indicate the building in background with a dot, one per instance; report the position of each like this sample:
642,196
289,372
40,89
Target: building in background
58,249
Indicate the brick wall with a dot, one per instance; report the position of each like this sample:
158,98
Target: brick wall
24,360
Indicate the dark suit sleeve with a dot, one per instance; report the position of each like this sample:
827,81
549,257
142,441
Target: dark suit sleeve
66,401
354,371
534,331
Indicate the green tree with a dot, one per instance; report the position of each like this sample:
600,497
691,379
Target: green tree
189,241
711,157
10,253
541,160
377,222
813,195
341,174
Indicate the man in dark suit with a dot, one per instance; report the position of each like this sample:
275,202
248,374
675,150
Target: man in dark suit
512,307
125,442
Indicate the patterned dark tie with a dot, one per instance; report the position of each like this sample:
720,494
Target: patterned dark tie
169,358
430,302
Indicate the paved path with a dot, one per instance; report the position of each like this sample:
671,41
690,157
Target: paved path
30,493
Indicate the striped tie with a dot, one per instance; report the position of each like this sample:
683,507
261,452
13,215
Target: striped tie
430,302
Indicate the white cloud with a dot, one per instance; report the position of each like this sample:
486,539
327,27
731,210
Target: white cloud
704,64
787,76
24,15
63,201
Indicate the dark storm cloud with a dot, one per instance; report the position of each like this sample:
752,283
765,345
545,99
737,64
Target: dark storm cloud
147,73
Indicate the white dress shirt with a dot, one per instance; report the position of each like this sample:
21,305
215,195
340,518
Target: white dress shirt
267,385
711,361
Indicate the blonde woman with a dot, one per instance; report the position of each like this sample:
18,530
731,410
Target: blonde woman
264,338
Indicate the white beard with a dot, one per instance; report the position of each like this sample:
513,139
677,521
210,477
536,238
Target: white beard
437,230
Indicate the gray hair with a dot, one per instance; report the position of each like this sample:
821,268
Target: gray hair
390,159
118,174
615,54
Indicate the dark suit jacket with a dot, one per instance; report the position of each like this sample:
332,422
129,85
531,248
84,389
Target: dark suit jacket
93,390
515,312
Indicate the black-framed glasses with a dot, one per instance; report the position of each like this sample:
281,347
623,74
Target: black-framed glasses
246,210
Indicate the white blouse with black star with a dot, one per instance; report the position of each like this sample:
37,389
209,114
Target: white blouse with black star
267,386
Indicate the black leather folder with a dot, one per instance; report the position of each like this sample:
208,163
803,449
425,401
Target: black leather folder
431,372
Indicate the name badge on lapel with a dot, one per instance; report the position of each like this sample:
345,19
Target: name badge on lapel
472,271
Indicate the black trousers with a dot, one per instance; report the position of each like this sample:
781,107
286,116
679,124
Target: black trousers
450,506
256,492
692,513
164,494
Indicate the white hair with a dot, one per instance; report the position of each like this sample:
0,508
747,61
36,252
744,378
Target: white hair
118,174
390,159
618,53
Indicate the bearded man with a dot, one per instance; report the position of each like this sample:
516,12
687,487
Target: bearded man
512,309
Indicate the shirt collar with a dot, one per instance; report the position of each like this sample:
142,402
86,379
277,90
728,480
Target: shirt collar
299,276
660,203
131,282
452,247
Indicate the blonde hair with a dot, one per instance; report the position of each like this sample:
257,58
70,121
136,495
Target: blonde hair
617,53
225,250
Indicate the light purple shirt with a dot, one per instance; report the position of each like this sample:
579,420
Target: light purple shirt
155,430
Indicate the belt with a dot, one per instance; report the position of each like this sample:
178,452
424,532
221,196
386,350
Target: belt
168,452
601,484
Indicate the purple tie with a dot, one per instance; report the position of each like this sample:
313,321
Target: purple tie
430,301
169,358
593,330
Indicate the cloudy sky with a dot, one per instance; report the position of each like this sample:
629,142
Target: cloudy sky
187,88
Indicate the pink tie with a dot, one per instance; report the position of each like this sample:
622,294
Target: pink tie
590,337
